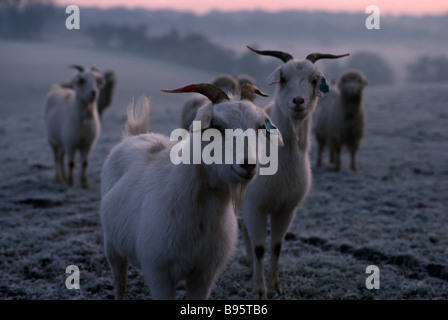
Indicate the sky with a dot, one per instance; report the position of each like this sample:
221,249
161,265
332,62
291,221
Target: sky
390,7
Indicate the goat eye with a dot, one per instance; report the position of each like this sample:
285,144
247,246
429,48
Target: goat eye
315,82
80,80
219,128
282,80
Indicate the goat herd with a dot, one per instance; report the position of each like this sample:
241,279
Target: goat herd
180,222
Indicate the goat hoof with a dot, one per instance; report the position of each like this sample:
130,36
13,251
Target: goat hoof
260,292
276,285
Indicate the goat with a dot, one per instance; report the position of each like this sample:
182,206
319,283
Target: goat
175,221
106,93
225,82
72,122
340,119
245,78
298,85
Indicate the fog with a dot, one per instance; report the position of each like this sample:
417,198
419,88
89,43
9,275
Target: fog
391,213
216,42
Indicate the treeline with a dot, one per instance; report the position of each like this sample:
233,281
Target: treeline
25,19
191,49
428,69
198,51
188,39
376,69
299,26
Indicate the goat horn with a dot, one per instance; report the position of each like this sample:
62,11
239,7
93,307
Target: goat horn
285,57
214,93
75,66
94,69
313,57
248,90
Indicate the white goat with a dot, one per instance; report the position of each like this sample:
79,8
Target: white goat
299,83
106,95
176,222
72,122
225,82
340,119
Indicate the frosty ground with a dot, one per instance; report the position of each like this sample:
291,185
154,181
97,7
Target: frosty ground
392,213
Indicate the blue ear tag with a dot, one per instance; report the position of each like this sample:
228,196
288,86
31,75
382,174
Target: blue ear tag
323,86
270,127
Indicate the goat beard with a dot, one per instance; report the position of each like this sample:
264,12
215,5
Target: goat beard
237,194
301,128
297,127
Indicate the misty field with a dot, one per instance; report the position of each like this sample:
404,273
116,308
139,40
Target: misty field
392,213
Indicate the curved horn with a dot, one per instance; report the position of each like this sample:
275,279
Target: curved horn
75,66
285,57
313,57
214,93
248,90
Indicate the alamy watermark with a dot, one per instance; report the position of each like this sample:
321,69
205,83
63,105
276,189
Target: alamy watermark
73,20
72,281
189,149
373,281
373,21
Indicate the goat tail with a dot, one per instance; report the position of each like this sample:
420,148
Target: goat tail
56,86
137,117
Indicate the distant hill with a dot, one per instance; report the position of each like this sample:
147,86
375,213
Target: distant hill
324,26
217,41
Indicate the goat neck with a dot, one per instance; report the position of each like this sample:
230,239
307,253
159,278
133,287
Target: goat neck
293,130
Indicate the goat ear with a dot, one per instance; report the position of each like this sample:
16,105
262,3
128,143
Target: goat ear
75,79
78,79
274,77
101,82
205,115
321,87
364,81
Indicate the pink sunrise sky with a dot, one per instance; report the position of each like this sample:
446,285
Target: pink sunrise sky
392,7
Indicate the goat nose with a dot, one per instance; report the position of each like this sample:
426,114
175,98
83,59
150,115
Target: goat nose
248,166
298,101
